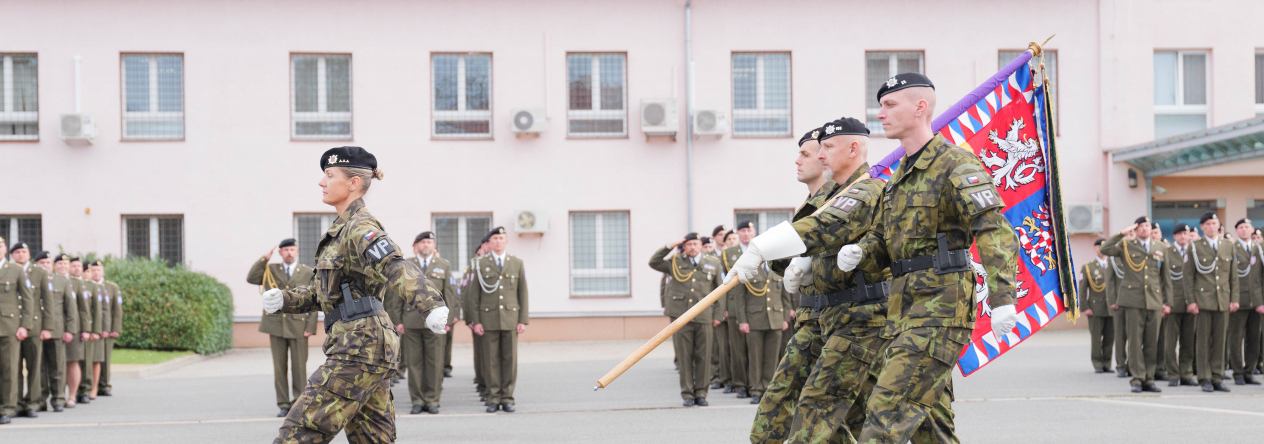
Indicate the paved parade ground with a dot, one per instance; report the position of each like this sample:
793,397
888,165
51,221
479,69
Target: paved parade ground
1042,391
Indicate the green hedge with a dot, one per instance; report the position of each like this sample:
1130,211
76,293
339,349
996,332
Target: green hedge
171,308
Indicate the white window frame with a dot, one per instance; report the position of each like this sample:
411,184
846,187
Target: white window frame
155,237
322,95
464,251
460,114
12,236
7,114
596,112
600,271
760,94
761,225
326,220
1259,107
153,115
893,68
1180,108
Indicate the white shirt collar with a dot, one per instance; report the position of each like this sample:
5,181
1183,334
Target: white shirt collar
425,260
499,257
1101,262
98,282
1246,244
743,246
3,261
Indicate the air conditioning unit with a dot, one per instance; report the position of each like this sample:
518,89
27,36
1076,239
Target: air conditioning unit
77,127
659,117
1084,218
710,122
529,120
531,221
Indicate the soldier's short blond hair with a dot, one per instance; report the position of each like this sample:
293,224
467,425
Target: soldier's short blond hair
366,175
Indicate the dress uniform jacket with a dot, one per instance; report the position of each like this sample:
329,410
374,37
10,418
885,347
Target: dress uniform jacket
1215,283
15,312
689,283
438,272
284,325
1180,269
1146,283
1250,273
1093,289
116,306
759,302
500,295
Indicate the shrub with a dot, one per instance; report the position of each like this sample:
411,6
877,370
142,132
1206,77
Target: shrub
171,308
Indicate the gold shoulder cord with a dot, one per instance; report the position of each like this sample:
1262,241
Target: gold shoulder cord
269,282
1128,259
1092,285
725,258
760,292
677,275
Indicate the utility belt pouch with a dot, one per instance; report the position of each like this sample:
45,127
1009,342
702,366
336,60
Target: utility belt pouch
948,261
351,308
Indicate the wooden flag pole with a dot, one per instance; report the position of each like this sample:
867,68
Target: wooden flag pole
671,329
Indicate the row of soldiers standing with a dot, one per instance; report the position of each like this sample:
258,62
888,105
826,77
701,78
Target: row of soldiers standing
1177,312
58,322
491,297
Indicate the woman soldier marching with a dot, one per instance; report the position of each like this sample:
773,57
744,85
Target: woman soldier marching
356,265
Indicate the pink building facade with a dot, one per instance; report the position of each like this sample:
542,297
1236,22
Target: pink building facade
210,116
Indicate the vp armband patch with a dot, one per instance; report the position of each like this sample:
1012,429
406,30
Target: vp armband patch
381,249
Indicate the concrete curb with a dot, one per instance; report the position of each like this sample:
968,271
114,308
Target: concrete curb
164,367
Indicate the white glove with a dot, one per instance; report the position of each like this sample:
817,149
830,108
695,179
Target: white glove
437,319
849,257
778,242
273,300
1003,320
798,268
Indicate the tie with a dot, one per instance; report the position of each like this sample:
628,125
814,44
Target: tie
500,264
289,272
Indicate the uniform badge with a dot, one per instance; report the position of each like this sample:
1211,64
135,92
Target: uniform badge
28,283
816,134
50,283
381,249
972,179
708,268
846,204
1252,260
891,82
854,191
829,129
369,235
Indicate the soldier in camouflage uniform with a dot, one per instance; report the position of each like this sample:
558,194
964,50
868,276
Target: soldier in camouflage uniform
356,265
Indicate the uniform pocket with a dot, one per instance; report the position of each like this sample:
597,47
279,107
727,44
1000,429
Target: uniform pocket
334,395
918,212
932,362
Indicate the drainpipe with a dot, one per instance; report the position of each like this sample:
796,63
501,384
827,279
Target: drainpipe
688,119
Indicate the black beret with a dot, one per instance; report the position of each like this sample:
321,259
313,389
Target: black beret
1181,228
93,264
86,265
18,246
746,224
287,243
62,257
1142,220
1098,242
74,259
1243,221
1154,225
486,238
495,231
810,135
691,236
348,156
717,230
1210,215
705,240
39,256
904,80
423,235
844,126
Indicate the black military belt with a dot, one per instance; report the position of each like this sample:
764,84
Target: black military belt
943,261
860,293
351,309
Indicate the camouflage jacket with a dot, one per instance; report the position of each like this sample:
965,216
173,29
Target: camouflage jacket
439,272
943,189
1215,283
1146,283
357,251
688,283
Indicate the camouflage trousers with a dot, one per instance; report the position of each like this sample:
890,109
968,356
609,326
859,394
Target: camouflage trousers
342,394
914,387
776,408
831,405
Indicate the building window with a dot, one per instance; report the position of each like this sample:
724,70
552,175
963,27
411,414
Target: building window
23,228
153,96
1051,70
19,104
320,96
308,230
1180,92
599,254
1259,83
761,94
158,237
459,235
763,219
462,96
880,66
597,84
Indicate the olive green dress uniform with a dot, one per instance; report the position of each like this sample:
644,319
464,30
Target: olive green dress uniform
1178,340
285,331
1244,324
15,312
91,311
33,346
424,349
1101,328
500,303
352,388
74,349
1215,285
720,361
467,315
1141,295
103,301
739,357
689,283
940,192
115,298
60,316
1117,316
758,304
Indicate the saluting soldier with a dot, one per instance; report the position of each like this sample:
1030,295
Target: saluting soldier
17,320
1101,338
500,315
1178,340
739,357
1215,295
356,265
693,277
56,318
424,349
1142,297
33,345
287,333
1244,324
